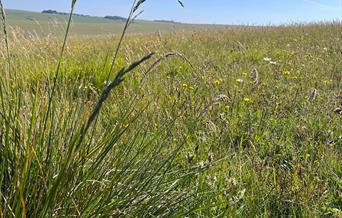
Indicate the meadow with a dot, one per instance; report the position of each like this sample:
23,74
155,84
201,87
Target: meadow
225,122
40,24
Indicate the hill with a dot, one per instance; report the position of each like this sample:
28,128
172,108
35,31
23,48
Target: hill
54,23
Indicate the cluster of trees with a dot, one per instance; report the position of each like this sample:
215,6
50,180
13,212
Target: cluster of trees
115,18
82,15
106,17
167,21
62,13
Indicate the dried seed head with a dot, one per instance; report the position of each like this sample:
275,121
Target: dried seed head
220,97
210,157
138,5
254,74
181,3
313,95
210,125
73,3
196,148
255,84
255,78
189,157
338,111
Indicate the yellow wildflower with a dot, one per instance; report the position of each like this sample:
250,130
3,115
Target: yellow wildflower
239,80
217,82
125,126
287,72
246,99
327,82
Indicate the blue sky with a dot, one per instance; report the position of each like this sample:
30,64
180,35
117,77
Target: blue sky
202,11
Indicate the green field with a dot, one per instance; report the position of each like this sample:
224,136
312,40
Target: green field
217,122
45,24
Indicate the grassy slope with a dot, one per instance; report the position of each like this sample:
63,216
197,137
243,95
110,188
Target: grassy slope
267,151
44,24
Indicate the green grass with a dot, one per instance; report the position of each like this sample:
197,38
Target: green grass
198,139
45,24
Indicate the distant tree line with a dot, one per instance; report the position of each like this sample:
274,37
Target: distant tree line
62,13
167,21
82,15
115,18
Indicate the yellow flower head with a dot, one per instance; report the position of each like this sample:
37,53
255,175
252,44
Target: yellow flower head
239,81
286,72
217,82
246,99
327,82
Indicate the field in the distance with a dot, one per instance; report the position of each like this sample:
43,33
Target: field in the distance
44,24
244,122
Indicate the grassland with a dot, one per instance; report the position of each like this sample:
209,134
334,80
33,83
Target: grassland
240,122
54,24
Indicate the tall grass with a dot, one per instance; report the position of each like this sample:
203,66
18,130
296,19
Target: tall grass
243,125
55,162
